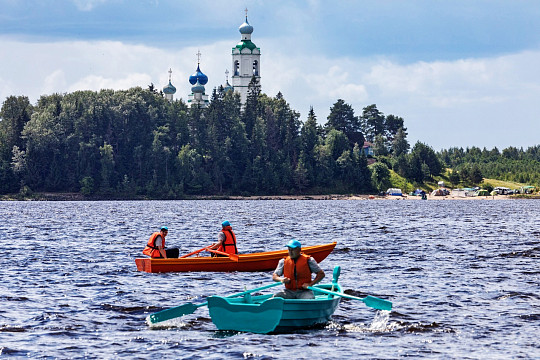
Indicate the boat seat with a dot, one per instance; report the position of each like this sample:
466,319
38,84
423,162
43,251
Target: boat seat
329,295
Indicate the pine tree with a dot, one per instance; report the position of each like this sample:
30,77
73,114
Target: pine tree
342,118
372,122
252,106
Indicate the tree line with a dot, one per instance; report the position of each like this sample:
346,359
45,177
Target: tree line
510,164
134,142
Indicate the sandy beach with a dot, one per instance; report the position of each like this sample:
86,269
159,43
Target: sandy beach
80,197
366,197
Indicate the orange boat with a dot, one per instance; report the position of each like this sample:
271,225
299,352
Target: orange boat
262,261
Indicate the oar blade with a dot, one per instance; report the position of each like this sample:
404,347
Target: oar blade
233,257
171,313
371,301
376,303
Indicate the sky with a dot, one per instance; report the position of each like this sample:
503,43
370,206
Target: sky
460,73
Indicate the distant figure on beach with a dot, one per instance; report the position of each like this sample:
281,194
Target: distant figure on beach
226,240
155,247
295,273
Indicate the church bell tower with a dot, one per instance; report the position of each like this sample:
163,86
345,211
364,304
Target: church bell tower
246,61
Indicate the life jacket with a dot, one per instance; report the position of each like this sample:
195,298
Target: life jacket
151,249
229,245
298,271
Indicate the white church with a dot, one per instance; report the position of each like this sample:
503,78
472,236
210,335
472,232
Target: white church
246,63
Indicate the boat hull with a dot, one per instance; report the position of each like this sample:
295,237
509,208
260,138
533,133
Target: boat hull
263,261
265,314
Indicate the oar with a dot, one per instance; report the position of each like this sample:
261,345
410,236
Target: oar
233,257
195,252
190,308
369,300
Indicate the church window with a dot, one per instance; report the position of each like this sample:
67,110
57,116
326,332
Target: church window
236,68
255,68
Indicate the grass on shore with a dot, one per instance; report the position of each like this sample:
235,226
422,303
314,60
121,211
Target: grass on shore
406,186
508,184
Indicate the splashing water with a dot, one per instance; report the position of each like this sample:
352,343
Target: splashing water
380,321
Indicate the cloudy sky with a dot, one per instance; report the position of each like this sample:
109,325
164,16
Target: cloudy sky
461,73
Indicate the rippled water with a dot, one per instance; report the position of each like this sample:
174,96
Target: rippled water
463,277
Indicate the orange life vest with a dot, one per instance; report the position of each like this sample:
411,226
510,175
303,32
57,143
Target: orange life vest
298,272
229,245
151,249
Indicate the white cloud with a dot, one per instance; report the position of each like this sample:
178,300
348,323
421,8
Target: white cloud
87,5
96,83
53,81
469,102
448,84
482,102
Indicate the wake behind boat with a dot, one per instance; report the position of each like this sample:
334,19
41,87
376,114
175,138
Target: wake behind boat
262,261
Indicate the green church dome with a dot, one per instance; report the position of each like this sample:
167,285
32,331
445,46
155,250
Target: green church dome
246,44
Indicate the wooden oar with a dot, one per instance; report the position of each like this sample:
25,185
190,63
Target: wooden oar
195,252
190,308
371,301
233,257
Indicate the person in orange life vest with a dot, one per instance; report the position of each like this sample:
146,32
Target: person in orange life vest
156,246
295,272
226,240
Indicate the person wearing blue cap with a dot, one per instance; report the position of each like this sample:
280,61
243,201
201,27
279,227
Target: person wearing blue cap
155,247
226,240
295,273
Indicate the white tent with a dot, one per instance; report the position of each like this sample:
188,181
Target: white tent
394,192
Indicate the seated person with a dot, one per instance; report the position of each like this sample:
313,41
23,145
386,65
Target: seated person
156,246
226,240
295,272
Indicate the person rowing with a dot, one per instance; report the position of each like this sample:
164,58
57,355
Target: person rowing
226,240
295,271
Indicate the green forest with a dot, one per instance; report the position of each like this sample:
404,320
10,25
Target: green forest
136,144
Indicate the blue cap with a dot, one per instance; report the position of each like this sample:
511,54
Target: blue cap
164,228
293,244
226,223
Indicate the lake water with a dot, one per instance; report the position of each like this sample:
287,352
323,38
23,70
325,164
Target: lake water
463,276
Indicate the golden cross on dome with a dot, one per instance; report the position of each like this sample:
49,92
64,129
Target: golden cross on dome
198,56
246,13
227,74
170,74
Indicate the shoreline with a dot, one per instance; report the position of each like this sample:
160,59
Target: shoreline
80,197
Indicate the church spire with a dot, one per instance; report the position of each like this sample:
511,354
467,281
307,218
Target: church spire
169,90
227,86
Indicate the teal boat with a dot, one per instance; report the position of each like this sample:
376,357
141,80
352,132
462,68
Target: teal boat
265,314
